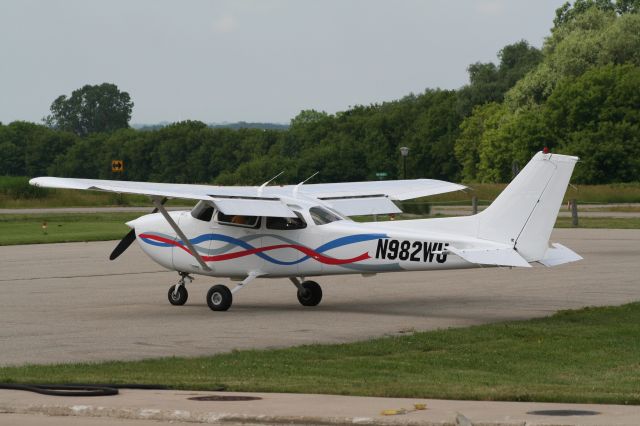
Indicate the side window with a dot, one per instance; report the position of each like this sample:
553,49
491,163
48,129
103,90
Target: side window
202,211
286,223
322,216
239,220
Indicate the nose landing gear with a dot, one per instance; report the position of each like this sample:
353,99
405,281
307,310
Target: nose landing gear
178,293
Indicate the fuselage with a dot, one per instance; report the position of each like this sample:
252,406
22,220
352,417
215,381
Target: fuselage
308,247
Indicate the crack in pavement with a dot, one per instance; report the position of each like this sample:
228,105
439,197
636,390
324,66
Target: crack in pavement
82,276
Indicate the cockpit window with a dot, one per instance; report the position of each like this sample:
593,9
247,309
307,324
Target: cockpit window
286,223
239,220
322,216
202,211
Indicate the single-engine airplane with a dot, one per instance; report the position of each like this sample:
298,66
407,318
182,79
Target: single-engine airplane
304,230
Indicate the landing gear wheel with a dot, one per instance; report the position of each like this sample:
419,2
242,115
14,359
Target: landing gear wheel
219,298
178,298
310,294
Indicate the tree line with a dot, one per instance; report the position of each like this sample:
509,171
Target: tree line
579,94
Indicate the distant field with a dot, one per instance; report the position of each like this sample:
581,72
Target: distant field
584,356
15,192
588,194
27,229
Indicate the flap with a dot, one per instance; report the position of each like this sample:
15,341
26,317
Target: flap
506,256
559,254
363,206
253,207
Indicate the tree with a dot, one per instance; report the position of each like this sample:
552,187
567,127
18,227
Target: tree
91,109
489,83
567,13
597,118
595,36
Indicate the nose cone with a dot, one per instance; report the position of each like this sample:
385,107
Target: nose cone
141,222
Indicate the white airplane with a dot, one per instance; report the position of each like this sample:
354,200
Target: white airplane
300,231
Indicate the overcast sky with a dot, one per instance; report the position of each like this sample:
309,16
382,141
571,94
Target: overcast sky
258,60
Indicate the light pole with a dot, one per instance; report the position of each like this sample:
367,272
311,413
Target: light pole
404,151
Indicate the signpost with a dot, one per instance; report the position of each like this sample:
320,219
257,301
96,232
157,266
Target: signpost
381,175
117,166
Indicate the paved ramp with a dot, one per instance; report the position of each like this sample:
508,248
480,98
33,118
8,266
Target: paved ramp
68,302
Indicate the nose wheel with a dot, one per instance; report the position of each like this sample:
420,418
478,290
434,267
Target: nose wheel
178,293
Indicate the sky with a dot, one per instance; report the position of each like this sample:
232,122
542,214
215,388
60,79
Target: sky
250,60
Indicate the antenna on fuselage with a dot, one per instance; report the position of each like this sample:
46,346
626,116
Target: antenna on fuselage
267,183
295,189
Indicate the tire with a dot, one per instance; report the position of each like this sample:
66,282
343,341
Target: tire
219,298
180,298
311,293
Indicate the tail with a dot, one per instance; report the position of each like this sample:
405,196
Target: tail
523,215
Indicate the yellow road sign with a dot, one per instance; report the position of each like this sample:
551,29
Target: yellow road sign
117,166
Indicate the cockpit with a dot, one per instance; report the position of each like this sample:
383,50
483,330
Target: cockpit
319,215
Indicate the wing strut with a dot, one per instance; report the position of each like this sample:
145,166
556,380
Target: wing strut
157,201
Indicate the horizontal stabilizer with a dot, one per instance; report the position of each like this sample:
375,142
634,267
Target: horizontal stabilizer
491,256
559,254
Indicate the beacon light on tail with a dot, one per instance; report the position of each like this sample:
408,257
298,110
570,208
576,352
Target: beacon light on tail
302,231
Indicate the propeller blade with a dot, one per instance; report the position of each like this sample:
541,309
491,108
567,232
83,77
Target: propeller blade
123,244
129,238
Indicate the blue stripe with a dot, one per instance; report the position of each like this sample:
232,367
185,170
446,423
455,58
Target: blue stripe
338,242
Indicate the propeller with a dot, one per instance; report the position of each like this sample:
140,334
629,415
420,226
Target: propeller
128,239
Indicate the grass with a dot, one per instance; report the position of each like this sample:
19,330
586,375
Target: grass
27,229
16,193
584,194
584,356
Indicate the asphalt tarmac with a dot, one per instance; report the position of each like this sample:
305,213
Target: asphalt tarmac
68,302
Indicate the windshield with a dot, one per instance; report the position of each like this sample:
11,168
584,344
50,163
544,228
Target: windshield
322,216
202,211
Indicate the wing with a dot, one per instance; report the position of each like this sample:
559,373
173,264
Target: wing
231,200
393,189
366,198
350,198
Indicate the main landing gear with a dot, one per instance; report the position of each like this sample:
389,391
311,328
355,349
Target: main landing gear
309,292
220,298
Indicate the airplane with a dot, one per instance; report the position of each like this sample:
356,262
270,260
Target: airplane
304,230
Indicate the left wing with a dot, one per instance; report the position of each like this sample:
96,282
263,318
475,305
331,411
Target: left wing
231,200
350,198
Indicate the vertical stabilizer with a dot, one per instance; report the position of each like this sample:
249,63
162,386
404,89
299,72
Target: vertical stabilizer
523,215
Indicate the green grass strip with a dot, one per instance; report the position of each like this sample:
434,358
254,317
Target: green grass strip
27,229
591,356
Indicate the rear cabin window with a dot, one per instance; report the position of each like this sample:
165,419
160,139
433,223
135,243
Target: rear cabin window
239,220
202,211
286,223
322,216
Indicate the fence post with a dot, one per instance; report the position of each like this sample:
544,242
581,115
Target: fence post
474,204
574,212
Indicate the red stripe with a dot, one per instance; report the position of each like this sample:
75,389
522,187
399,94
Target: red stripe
227,256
